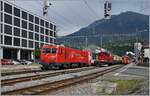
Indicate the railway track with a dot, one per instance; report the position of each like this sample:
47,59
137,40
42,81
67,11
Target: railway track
20,72
51,86
41,76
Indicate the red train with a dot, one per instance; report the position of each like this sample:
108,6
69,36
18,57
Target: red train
105,58
56,57
125,60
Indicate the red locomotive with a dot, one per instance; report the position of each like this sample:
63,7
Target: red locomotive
105,58
56,57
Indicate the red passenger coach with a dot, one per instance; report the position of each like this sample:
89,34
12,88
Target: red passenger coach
56,57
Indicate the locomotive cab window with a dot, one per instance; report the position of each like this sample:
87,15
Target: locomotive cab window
49,50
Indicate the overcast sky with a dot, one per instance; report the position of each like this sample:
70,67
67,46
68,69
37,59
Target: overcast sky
71,15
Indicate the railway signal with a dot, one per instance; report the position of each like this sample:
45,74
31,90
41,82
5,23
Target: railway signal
107,9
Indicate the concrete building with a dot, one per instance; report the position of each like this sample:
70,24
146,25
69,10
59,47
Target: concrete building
21,32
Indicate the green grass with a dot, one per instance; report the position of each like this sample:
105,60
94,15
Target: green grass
126,86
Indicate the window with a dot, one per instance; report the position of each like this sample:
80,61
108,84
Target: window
46,31
51,33
30,17
30,35
41,22
8,40
36,45
1,28
42,38
1,5
24,33
16,12
1,39
16,31
30,44
46,24
51,26
36,28
24,43
16,42
51,40
8,8
54,28
36,20
8,19
1,17
8,29
30,26
36,36
54,34
24,15
42,30
46,39
16,22
24,24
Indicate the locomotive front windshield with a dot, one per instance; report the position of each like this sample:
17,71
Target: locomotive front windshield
49,50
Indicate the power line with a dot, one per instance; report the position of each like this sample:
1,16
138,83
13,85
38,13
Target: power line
90,8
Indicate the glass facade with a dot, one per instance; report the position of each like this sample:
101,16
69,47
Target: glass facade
23,29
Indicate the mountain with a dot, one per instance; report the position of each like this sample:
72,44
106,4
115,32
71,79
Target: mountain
124,23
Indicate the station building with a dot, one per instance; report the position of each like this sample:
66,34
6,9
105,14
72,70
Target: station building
21,32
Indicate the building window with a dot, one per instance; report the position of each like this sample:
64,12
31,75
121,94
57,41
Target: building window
24,15
46,24
30,17
16,42
54,28
1,5
42,30
1,39
46,31
36,45
8,19
24,33
8,40
54,34
36,36
51,40
16,22
30,44
8,8
24,24
51,26
24,43
51,33
16,31
42,38
30,26
16,12
1,17
30,35
46,39
36,20
1,28
41,22
8,29
36,28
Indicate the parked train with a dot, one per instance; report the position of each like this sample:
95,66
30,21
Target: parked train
125,60
56,57
105,58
